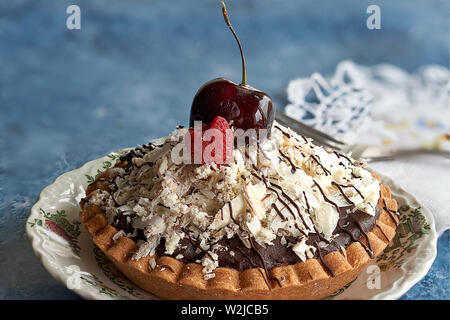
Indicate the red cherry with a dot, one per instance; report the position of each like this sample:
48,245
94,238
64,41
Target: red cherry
245,106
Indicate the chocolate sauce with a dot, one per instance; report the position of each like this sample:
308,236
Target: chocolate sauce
293,166
356,189
121,223
280,199
306,201
354,176
369,249
286,134
278,212
286,196
318,250
356,224
340,155
352,236
342,192
327,172
382,232
249,259
391,213
325,197
263,261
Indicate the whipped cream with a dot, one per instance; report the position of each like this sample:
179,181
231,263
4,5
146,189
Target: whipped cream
289,188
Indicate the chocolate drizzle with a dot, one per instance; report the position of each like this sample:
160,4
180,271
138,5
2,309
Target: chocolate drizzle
264,264
382,232
325,197
327,172
286,196
293,166
342,192
322,260
352,236
274,206
369,249
277,194
391,213
254,265
287,135
315,229
358,224
306,201
340,155
356,189
267,276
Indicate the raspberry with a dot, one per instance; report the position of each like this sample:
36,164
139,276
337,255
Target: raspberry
219,123
226,144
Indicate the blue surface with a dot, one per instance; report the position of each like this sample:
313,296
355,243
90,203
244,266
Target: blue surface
129,75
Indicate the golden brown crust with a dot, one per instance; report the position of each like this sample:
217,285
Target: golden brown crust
172,279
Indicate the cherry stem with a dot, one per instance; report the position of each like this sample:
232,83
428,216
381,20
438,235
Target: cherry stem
225,15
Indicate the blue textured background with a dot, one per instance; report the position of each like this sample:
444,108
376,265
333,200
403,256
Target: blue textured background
129,75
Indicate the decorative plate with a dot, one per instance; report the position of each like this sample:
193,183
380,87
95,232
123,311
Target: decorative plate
67,252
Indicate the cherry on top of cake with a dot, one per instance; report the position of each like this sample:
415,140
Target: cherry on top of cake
240,104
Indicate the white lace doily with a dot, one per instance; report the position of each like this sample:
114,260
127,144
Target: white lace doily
385,105
382,104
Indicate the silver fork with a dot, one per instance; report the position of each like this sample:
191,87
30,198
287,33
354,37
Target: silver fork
369,153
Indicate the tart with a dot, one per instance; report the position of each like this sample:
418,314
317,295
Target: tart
290,220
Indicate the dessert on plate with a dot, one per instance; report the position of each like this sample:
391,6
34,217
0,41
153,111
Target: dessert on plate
297,222
272,217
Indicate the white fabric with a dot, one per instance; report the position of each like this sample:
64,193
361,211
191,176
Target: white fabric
384,105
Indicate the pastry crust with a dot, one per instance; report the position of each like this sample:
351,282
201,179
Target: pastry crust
173,279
